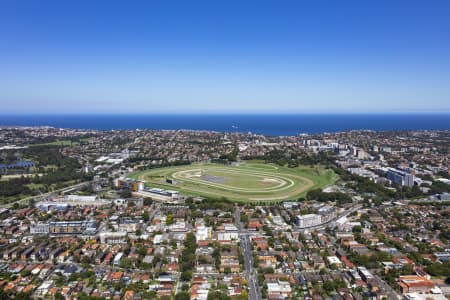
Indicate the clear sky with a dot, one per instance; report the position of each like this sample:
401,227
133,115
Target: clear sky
224,56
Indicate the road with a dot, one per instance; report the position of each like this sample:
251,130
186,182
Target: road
250,272
154,208
390,292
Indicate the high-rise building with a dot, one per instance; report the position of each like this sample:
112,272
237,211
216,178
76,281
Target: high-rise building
400,177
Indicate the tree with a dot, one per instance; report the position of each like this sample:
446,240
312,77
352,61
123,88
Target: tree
186,275
142,251
218,295
173,244
242,296
357,229
85,297
188,255
169,218
182,296
22,296
148,201
244,218
59,296
145,217
328,286
439,269
125,194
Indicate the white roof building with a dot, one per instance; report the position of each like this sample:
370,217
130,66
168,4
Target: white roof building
308,220
157,239
334,260
280,287
203,233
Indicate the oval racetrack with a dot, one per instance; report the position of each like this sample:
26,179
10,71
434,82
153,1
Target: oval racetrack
245,182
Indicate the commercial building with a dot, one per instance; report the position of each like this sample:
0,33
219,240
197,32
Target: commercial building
279,290
129,184
162,192
365,274
40,228
327,213
334,260
67,201
64,227
129,224
229,233
227,236
444,196
400,177
290,204
118,237
117,258
442,256
308,220
203,233
415,284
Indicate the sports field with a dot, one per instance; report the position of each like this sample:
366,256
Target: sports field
248,181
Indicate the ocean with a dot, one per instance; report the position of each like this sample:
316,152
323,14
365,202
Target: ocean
267,124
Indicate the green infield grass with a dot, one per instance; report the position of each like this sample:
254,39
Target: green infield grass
248,181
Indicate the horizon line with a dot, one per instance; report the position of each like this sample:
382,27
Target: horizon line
15,114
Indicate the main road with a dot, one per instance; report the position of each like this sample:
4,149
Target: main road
250,272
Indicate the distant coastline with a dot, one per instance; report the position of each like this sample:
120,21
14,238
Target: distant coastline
267,124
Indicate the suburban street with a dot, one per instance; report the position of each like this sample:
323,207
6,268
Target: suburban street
392,295
250,272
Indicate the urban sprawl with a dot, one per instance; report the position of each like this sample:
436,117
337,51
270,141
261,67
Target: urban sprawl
76,224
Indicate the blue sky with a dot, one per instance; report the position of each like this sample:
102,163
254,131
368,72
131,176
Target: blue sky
224,56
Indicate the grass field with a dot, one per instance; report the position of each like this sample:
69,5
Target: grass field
249,181
59,143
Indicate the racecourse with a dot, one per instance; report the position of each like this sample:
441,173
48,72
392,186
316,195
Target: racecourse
247,181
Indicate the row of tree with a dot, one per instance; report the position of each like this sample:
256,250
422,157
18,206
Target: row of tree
188,257
293,159
320,196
